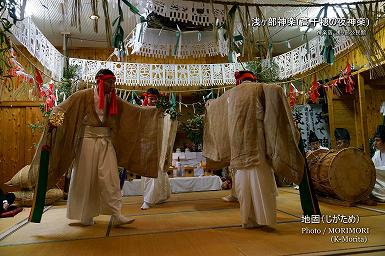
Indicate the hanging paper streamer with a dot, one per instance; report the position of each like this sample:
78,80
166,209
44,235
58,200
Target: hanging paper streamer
17,69
382,109
208,96
313,93
172,100
178,45
270,51
133,95
232,57
118,36
293,93
136,41
126,95
347,78
222,42
329,44
57,96
149,43
132,8
48,92
180,102
39,82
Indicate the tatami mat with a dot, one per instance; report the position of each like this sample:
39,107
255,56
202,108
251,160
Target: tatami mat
55,226
6,223
194,224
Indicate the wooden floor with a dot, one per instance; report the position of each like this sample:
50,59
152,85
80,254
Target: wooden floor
195,224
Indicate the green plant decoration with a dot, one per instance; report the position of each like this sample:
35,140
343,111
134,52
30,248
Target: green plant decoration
65,88
193,128
168,106
265,73
201,96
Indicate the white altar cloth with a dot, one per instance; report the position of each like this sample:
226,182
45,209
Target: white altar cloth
178,185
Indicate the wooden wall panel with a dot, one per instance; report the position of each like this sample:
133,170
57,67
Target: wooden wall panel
16,139
344,117
374,99
345,112
33,115
357,123
12,146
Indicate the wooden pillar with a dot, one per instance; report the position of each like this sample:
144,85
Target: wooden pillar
363,117
65,52
329,93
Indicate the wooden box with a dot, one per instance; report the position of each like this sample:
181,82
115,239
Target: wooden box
130,176
208,173
188,171
170,172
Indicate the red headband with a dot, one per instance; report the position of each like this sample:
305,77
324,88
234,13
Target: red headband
113,110
240,77
146,96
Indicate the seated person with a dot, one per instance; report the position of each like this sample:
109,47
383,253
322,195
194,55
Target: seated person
6,200
314,142
379,161
342,138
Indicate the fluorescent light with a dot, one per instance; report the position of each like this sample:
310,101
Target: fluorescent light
30,9
94,17
304,28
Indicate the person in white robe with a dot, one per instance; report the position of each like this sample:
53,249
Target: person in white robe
379,162
157,190
232,197
94,187
250,128
255,186
92,132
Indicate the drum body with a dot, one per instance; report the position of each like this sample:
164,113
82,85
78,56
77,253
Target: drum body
347,174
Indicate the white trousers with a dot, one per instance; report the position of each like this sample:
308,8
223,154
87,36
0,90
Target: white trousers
156,190
379,187
94,187
233,192
256,190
